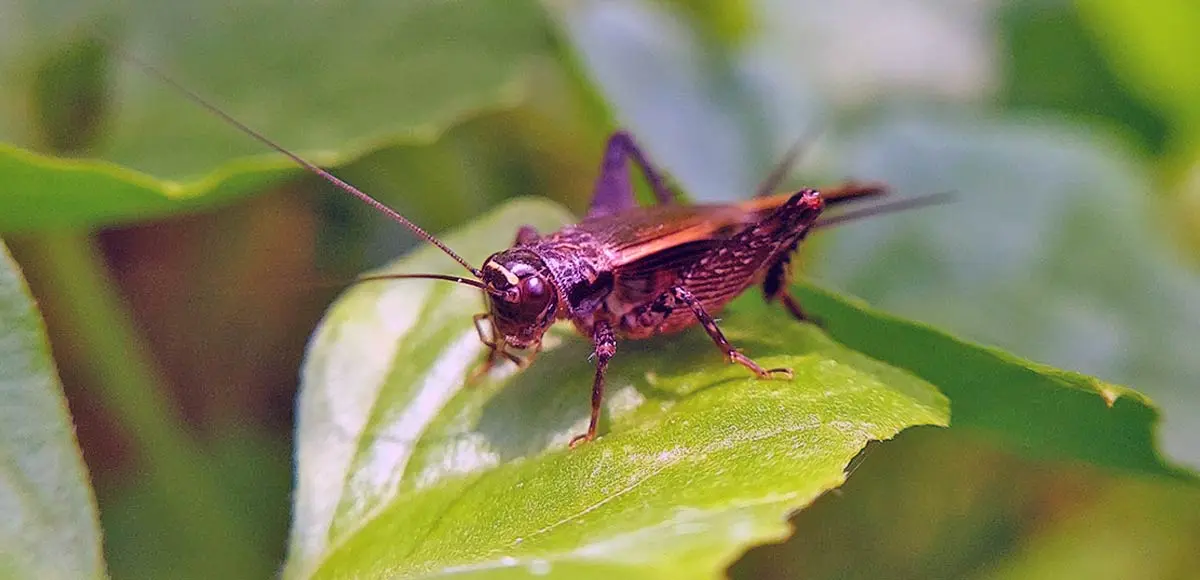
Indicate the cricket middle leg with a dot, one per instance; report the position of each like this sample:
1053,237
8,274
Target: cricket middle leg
657,313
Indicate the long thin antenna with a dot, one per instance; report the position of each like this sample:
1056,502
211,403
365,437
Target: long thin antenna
783,168
327,176
458,279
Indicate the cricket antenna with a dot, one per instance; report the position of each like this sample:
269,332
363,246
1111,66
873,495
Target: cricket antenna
458,279
327,176
783,168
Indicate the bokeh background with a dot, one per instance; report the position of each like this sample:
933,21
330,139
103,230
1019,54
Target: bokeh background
1070,132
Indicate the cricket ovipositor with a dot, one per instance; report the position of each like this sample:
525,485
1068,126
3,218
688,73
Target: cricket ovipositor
625,271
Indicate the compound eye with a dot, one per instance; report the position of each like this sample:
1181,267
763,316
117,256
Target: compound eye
533,288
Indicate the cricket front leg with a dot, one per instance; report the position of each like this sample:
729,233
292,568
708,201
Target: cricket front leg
605,344
495,350
682,296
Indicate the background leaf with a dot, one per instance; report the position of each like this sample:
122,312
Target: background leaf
1026,407
1081,279
973,510
444,61
1149,43
49,528
408,473
48,192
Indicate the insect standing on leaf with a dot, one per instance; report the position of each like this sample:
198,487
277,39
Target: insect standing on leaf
627,272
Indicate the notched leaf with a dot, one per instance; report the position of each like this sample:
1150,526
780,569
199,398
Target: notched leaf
1026,407
404,472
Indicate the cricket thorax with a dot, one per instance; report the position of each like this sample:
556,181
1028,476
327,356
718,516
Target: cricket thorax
581,267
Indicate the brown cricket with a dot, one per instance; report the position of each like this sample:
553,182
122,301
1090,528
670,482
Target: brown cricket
624,271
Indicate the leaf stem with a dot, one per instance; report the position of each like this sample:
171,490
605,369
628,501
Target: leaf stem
72,274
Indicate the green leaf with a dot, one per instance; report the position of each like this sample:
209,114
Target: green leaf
1153,45
405,472
1053,64
972,509
1064,261
1035,409
385,74
49,528
47,192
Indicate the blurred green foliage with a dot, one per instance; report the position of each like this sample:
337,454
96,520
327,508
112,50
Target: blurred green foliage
178,305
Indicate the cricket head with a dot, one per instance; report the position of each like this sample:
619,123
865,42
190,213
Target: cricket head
522,297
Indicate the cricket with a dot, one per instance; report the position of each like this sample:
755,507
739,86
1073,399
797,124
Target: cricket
626,272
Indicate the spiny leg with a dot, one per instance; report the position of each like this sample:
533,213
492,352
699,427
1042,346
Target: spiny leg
725,271
605,344
613,191
681,295
495,350
775,287
775,282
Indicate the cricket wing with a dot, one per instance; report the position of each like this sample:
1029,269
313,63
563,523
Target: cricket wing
646,278
636,234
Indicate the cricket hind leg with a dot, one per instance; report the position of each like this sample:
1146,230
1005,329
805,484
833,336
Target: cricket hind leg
605,345
613,191
682,296
775,287
526,235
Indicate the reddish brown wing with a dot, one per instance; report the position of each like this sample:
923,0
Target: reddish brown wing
637,233
642,232
653,245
